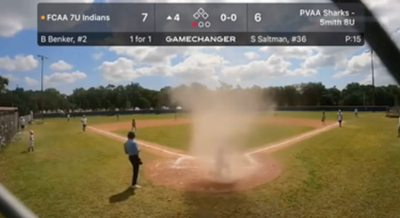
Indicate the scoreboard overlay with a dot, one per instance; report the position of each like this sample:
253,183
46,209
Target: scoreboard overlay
199,24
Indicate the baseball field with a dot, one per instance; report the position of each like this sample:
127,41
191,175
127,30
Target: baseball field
297,167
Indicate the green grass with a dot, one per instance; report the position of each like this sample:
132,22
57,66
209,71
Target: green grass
330,115
179,136
349,172
127,118
122,118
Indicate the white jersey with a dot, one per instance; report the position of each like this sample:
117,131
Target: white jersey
355,110
31,140
339,116
67,115
84,121
22,122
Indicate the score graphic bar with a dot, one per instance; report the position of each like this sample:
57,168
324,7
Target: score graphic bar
199,21
200,39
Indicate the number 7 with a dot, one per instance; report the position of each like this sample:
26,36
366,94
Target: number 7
144,16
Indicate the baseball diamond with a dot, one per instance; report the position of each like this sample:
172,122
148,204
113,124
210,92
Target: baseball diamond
167,131
184,172
285,153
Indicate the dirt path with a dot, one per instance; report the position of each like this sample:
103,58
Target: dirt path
141,124
172,122
190,177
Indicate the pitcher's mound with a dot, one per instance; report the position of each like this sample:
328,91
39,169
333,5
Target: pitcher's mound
188,174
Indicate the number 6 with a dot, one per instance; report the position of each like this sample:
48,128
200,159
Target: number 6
257,17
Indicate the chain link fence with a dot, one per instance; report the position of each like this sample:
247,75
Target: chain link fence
9,125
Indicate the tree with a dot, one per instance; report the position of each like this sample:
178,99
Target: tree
3,84
164,97
133,95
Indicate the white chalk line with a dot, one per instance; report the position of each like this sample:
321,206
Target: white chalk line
300,137
248,155
140,143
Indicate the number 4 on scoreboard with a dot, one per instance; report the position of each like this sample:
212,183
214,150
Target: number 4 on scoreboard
177,18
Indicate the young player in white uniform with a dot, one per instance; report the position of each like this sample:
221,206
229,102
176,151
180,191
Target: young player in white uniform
68,116
340,118
356,112
84,123
31,141
22,123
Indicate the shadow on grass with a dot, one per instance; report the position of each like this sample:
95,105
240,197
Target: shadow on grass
123,196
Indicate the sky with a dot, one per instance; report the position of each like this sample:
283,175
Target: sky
155,67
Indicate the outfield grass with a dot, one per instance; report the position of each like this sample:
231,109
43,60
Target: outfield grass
179,136
123,118
330,115
349,172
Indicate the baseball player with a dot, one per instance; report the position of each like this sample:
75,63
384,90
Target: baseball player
356,112
84,123
22,123
340,118
68,116
323,118
31,141
134,125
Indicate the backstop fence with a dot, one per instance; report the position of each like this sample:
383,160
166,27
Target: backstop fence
8,124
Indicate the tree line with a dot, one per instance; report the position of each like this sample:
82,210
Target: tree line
134,95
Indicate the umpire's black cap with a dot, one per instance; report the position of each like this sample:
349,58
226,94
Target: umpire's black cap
131,135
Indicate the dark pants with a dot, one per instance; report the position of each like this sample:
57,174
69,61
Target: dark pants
135,161
84,127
